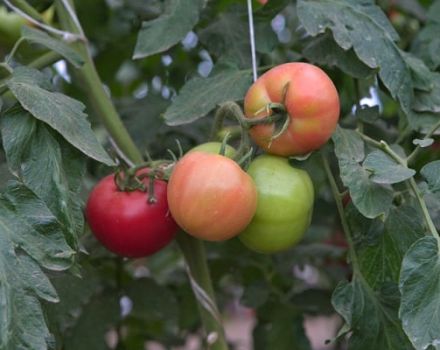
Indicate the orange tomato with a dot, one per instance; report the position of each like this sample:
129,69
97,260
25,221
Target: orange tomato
310,99
210,196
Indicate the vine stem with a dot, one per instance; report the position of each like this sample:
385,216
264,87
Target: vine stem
192,249
411,182
195,257
337,195
94,88
232,110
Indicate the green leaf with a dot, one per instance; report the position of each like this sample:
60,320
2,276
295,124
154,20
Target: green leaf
255,294
29,236
153,302
367,114
201,95
370,199
279,328
348,145
431,172
97,317
39,37
371,315
423,142
59,111
363,26
421,75
429,101
228,38
158,35
426,45
422,121
381,246
74,293
267,39
420,289
323,50
46,164
384,170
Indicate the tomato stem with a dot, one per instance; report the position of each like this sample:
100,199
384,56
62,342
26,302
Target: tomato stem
411,182
275,113
95,90
224,144
340,206
195,256
151,197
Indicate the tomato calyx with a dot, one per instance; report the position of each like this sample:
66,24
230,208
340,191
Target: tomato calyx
132,179
274,113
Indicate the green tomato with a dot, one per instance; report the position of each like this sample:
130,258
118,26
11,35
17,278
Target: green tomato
284,205
10,26
214,147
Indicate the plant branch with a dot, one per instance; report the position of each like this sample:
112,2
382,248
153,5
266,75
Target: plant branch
339,205
411,182
198,273
416,191
94,88
26,8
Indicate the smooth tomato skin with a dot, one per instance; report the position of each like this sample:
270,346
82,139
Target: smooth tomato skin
311,100
214,148
125,223
10,26
285,205
210,196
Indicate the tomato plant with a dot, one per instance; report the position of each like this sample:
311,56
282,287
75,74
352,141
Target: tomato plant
310,99
105,86
126,222
285,204
210,196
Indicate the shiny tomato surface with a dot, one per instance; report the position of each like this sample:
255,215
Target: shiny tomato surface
285,204
126,223
310,99
210,196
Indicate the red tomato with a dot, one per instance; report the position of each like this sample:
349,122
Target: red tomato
210,196
126,223
311,101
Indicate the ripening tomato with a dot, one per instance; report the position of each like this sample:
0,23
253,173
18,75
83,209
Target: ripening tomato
126,223
310,99
214,148
210,196
285,204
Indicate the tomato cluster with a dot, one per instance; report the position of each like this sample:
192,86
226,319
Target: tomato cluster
211,197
